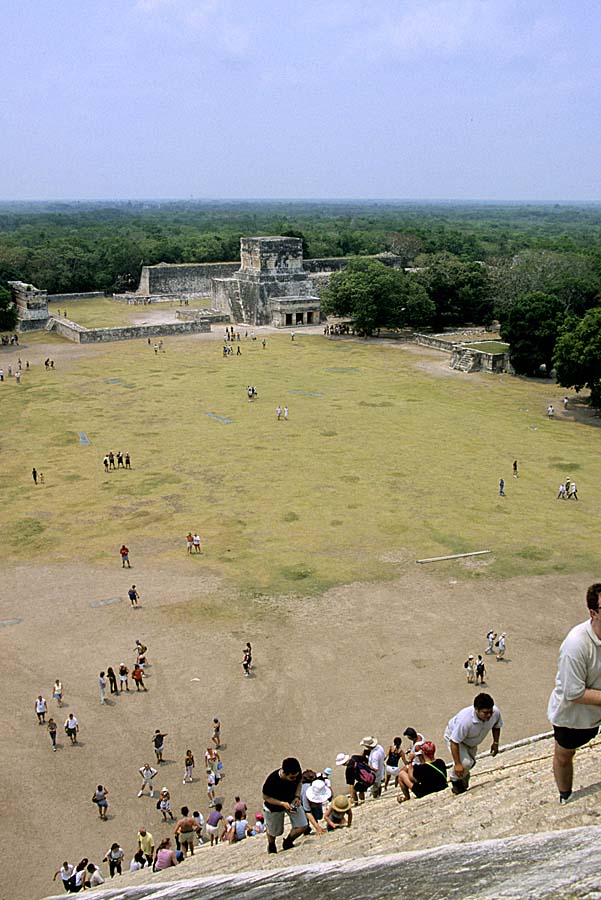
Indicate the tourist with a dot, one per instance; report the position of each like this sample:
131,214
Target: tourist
214,821
468,665
424,779
114,857
339,813
94,877
138,862
246,664
124,552
358,776
501,487
188,766
573,495
414,754
158,742
213,760
41,479
465,731
515,468
240,805
240,828
278,412
123,677
196,542
146,844
259,826
110,672
562,494
186,829
216,738
377,763
111,460
565,402
52,729
574,707
140,650
127,461
41,709
164,804
66,873
285,413
550,411
480,670
34,474
138,676
189,542
105,462
71,728
133,595
211,782
394,755
102,687
200,824
314,795
99,798
490,638
165,857
78,878
248,650
120,460
501,646
281,794
18,376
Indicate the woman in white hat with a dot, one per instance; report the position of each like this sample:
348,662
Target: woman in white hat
316,794
339,813
470,670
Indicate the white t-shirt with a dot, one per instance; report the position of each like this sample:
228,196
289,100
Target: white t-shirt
377,761
66,873
40,705
466,728
96,879
579,668
71,723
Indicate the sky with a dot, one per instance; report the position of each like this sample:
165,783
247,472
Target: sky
392,99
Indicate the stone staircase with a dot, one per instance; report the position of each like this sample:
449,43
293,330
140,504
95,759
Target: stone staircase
237,310
507,838
466,360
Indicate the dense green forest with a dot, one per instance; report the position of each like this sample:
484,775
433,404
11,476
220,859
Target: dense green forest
535,268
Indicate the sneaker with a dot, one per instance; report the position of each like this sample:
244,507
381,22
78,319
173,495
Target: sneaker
287,843
140,793
564,797
271,848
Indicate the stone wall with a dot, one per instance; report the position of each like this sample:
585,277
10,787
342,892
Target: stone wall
191,279
431,340
69,298
74,332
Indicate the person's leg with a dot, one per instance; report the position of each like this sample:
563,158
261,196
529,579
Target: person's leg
405,784
563,769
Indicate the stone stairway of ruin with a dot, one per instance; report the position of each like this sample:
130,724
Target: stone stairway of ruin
507,838
237,310
466,361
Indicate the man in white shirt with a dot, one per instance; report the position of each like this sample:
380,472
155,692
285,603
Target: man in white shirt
147,773
377,762
465,732
574,707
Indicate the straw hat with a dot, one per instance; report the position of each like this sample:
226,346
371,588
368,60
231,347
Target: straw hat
369,742
341,803
342,759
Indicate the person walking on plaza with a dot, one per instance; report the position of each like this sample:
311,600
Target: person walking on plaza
490,641
110,672
99,798
480,670
278,412
123,678
515,468
34,475
165,805
133,595
147,773
102,687
502,487
196,542
470,672
501,645
189,542
574,708
562,494
124,552
550,411
137,675
158,742
465,731
41,709
127,461
57,692
52,729
282,794
188,766
72,727
573,495
216,733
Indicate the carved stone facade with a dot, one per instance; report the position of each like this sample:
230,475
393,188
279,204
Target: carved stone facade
271,287
32,306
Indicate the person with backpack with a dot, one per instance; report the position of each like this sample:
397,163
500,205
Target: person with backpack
480,670
358,776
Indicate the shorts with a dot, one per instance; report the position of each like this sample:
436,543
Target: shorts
274,821
393,770
213,829
186,837
572,738
102,803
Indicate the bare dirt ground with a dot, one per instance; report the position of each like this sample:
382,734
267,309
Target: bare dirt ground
362,659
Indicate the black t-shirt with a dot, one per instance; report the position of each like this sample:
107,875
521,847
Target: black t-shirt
280,789
430,778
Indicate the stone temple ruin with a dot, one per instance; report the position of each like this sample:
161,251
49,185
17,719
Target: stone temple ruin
271,287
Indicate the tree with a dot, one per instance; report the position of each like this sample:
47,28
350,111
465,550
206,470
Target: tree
531,327
459,290
577,357
406,246
375,296
8,311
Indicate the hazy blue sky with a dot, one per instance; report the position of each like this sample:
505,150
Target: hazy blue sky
483,99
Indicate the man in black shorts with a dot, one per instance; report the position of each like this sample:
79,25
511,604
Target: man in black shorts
575,705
